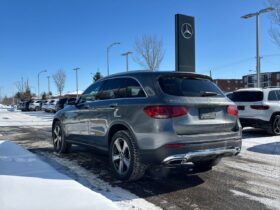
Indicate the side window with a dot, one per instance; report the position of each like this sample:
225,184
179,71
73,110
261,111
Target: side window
272,96
133,89
112,88
90,93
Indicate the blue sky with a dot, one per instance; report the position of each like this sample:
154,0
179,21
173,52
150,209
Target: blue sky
63,34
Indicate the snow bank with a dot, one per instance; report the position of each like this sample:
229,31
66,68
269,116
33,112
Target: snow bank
26,182
33,119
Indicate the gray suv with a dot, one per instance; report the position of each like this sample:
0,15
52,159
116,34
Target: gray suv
149,118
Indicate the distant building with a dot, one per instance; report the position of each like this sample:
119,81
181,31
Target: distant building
267,79
229,85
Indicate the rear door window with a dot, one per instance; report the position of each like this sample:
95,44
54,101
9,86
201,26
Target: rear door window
247,96
193,87
272,96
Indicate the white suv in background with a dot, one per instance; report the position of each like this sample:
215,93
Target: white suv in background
35,105
259,107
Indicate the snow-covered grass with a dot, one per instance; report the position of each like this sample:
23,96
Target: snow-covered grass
28,183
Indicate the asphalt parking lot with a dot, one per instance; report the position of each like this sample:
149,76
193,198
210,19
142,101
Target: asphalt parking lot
248,181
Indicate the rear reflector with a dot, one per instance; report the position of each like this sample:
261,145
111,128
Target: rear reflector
174,146
232,110
260,107
163,112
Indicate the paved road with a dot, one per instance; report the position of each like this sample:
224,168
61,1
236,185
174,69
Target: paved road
249,181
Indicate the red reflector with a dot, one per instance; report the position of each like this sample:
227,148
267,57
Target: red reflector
232,110
260,107
163,112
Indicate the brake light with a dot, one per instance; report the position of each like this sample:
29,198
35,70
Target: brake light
164,112
260,107
232,110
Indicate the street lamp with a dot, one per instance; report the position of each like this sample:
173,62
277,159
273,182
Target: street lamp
257,14
39,81
108,48
77,87
48,84
126,54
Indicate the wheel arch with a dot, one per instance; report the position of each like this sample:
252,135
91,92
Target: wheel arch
117,126
273,115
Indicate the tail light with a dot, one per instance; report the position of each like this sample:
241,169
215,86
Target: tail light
164,112
232,110
260,107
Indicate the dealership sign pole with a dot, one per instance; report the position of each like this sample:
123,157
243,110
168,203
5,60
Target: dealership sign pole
184,43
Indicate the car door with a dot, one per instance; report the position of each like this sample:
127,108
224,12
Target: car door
105,109
77,118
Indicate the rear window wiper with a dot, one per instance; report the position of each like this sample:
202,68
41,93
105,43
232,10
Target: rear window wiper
208,93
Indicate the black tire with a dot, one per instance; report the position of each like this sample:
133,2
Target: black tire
132,169
37,109
274,128
59,143
207,165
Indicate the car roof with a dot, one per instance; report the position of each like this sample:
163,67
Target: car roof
249,89
157,73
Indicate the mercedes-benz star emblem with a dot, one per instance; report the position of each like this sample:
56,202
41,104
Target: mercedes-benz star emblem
186,30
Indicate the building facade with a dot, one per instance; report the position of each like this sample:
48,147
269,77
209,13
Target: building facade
267,79
229,85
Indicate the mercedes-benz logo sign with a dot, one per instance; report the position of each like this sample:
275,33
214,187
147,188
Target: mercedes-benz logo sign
186,30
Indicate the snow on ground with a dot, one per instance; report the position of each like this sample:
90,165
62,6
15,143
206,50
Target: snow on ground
26,182
120,197
17,118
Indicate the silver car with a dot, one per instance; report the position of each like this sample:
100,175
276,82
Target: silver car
149,118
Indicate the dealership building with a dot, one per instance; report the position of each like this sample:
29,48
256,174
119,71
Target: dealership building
267,79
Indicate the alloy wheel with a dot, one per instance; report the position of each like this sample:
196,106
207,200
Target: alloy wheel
121,156
276,126
57,137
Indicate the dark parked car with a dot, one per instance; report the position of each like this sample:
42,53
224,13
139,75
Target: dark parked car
63,102
23,106
144,118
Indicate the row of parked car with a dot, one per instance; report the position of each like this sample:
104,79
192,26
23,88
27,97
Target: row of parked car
50,105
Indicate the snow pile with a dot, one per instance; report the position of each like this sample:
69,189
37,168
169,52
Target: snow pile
34,119
26,182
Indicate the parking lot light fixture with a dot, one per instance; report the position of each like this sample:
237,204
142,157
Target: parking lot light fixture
126,54
77,85
108,49
39,81
257,14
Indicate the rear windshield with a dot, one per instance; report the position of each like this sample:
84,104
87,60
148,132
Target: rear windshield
247,96
183,86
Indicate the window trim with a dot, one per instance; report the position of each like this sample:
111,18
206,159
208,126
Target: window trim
121,77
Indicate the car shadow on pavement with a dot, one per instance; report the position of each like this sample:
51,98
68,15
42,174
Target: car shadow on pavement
249,133
270,148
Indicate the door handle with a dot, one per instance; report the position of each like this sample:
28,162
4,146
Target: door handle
113,105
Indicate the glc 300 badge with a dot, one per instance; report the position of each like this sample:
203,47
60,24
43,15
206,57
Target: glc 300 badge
186,30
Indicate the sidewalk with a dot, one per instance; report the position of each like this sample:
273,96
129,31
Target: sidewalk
28,183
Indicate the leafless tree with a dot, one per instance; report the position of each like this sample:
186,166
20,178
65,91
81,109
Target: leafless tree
275,15
59,80
149,52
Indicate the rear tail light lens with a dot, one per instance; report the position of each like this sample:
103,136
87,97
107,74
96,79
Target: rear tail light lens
164,112
259,107
232,110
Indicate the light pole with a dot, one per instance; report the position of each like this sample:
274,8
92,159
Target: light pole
257,14
48,84
39,81
77,87
108,48
126,54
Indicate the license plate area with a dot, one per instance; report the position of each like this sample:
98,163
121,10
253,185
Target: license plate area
207,113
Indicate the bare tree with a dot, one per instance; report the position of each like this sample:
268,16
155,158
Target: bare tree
149,52
59,80
275,15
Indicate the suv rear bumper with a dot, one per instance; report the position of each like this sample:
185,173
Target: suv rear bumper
190,152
